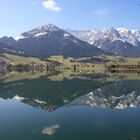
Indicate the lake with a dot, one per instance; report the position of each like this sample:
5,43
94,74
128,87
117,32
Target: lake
100,106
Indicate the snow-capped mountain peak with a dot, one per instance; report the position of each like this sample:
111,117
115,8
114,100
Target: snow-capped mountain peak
38,32
49,27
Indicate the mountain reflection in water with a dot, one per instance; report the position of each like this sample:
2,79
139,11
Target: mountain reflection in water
114,91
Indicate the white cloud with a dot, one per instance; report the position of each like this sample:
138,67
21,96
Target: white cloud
101,12
50,130
51,5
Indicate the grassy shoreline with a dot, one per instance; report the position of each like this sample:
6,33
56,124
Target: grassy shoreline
86,64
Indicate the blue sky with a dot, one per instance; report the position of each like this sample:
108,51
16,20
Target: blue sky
17,16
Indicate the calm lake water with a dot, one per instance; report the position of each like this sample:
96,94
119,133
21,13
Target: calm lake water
82,107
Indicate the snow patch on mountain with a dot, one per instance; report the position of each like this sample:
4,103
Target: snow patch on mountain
19,37
66,35
40,34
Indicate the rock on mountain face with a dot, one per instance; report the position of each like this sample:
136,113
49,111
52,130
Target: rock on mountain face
50,40
119,41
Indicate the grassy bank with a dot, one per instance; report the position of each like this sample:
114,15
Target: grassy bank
83,65
13,59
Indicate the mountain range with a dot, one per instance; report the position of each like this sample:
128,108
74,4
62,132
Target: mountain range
50,40
121,41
